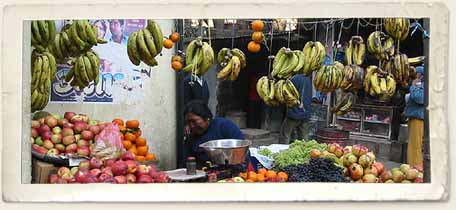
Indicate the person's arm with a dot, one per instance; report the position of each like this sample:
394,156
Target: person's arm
417,94
231,130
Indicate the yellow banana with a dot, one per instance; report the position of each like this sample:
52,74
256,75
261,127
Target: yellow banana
225,72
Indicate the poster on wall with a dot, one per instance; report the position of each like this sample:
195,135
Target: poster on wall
119,78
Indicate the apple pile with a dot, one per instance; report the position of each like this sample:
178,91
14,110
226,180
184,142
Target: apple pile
404,174
121,171
70,135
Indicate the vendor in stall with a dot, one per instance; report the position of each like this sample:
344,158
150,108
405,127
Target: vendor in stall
298,118
414,111
201,127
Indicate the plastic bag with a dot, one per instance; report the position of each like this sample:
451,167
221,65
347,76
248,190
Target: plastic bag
108,144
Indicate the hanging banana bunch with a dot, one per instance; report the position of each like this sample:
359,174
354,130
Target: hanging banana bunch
287,62
345,104
355,51
400,68
314,57
398,28
380,45
200,57
231,61
144,45
266,90
43,33
280,92
84,71
379,83
353,78
44,68
329,77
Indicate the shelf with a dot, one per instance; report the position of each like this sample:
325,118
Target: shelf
369,135
377,122
349,119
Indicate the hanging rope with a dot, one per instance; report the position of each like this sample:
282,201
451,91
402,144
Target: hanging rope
326,35
357,28
289,34
232,35
270,52
209,32
315,32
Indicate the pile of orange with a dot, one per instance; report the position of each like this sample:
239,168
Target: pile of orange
130,134
264,175
254,46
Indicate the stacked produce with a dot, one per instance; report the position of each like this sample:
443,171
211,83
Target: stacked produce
400,68
199,57
404,174
43,33
379,83
314,57
144,45
231,61
329,77
355,51
280,92
287,62
116,171
85,70
299,152
353,78
69,136
254,46
132,140
264,175
344,105
317,170
398,28
380,45
44,68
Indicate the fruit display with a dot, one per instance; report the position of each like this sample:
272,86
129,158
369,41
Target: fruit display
231,61
145,44
264,175
70,135
329,77
287,62
404,174
124,170
400,68
280,92
199,57
398,28
344,105
355,51
299,152
316,170
132,140
353,78
380,45
379,83
314,57
43,33
84,70
44,68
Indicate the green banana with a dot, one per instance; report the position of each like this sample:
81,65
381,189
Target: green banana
88,68
155,29
237,52
132,50
150,42
221,54
51,29
73,35
44,31
82,71
52,64
36,32
92,34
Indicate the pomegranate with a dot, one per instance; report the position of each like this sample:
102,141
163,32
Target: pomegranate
107,170
339,152
371,156
379,166
128,156
95,129
46,135
51,121
106,178
95,163
74,170
389,181
411,174
418,180
356,171
404,168
356,150
62,122
60,147
34,133
386,176
48,144
84,165
87,135
119,168
72,148
35,124
142,169
371,170
67,140
347,149
95,172
67,132
131,178
56,138
315,153
120,179
131,164
109,162
398,176
349,159
144,178
370,178
83,151
364,161
332,148
69,115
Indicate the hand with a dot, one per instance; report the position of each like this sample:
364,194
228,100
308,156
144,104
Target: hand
416,82
187,131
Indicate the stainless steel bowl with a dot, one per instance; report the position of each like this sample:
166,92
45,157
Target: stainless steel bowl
227,151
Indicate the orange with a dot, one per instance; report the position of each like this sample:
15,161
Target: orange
150,156
249,180
122,129
130,137
257,25
138,133
174,37
142,150
258,36
243,175
261,178
176,65
262,171
168,44
126,144
133,149
283,176
118,121
177,58
271,174
133,124
252,176
140,158
141,141
253,47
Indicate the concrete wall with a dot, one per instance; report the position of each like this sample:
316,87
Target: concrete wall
156,111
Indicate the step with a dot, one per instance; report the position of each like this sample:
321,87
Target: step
253,133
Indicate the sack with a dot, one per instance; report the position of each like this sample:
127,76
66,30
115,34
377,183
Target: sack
108,144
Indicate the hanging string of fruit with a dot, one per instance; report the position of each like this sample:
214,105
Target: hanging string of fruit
144,45
380,45
199,57
254,46
43,33
329,77
231,61
379,83
281,92
314,57
287,62
398,28
356,51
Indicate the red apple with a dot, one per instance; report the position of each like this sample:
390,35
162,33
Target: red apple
72,148
62,171
60,147
35,124
142,169
56,138
131,178
95,172
48,144
95,129
121,179
87,135
56,130
46,135
95,163
84,165
119,168
69,115
109,162
107,170
131,164
106,178
39,149
83,151
81,175
67,140
84,118
34,133
62,122
51,121
144,179
82,143
67,132
79,126
128,156
68,125
43,128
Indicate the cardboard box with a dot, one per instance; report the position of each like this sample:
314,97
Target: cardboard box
41,171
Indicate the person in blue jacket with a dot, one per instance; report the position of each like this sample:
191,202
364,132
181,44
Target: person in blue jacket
201,127
414,111
299,117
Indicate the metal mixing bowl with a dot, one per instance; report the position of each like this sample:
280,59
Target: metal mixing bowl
227,151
